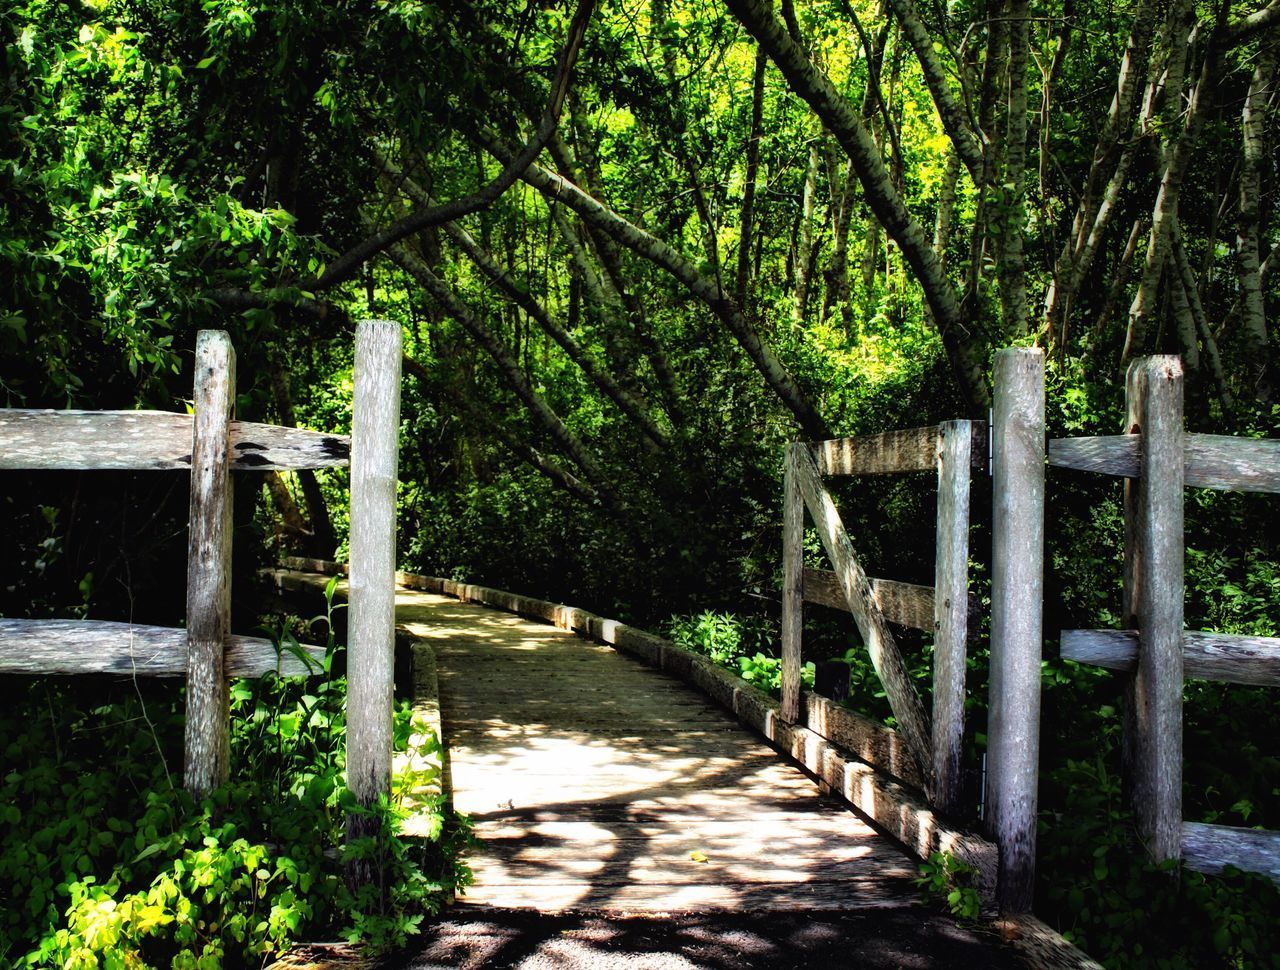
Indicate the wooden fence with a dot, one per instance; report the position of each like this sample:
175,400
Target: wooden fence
211,444
1158,459
951,450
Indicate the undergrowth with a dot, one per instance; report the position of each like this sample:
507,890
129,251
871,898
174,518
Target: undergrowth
105,861
744,645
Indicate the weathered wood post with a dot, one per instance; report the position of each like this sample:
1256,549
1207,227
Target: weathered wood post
950,610
1017,600
1153,596
792,585
208,725
375,426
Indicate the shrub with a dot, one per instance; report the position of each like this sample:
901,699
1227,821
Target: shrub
105,861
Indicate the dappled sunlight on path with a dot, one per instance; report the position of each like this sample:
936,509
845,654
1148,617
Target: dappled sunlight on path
597,783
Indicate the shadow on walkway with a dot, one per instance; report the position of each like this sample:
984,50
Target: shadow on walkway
867,940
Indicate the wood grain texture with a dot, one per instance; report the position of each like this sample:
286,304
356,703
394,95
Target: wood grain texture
375,429
1041,947
70,647
870,741
908,450
1224,657
612,800
951,610
901,692
906,604
1211,848
1153,603
1017,595
208,721
1210,461
793,573
529,688
152,441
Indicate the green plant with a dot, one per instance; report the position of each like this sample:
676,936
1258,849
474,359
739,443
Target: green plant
944,876
745,645
106,862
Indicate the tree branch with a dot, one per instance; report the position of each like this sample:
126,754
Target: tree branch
346,265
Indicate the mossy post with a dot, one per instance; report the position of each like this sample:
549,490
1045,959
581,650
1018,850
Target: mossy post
1017,609
207,740
375,425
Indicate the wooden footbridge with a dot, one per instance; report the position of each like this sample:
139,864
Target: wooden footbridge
609,770
597,782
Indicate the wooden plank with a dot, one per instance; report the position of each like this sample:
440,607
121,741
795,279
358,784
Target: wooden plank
63,440
208,722
1153,603
892,452
269,447
877,745
152,441
909,450
322,566
69,647
1224,657
1017,597
375,428
1211,848
951,611
885,657
1041,947
792,585
1210,461
1231,463
906,604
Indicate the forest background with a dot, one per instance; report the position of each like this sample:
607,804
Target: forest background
637,246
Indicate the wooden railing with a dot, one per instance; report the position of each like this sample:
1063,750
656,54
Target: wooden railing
211,444
945,610
1158,459
950,450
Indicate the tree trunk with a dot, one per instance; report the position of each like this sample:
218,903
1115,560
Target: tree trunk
1248,237
887,204
596,214
574,447
742,281
323,542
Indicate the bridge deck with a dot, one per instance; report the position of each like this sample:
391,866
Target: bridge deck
598,783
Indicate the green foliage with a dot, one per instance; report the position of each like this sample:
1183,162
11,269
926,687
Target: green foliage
106,863
943,876
1107,895
743,644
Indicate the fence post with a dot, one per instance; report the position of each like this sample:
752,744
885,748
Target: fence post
1153,595
792,586
1017,602
208,724
375,426
950,610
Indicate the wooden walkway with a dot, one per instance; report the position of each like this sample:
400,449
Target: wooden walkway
596,783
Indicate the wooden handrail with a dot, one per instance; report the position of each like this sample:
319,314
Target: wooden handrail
48,440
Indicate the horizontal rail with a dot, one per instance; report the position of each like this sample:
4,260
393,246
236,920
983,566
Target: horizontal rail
152,441
906,604
1211,461
1224,657
68,647
903,603
1211,848
893,452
